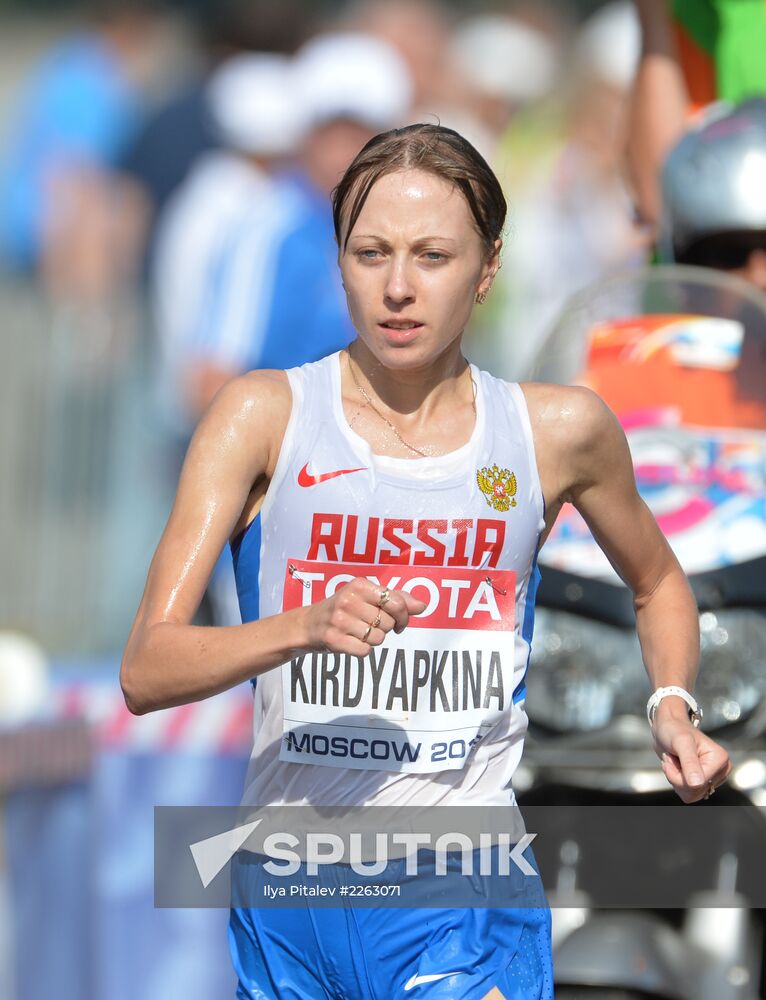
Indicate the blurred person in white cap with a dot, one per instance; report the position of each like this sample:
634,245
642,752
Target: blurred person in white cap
179,129
258,118
290,309
257,114
353,85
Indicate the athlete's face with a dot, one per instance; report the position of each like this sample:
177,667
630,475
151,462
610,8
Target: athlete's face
413,266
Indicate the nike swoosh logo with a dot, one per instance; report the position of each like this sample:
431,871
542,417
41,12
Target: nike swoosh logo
419,980
305,478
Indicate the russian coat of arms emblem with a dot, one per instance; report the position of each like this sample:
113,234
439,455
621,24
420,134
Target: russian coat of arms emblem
498,486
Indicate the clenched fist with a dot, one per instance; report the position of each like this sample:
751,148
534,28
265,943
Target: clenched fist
358,617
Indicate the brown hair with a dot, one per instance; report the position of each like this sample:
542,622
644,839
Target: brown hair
436,149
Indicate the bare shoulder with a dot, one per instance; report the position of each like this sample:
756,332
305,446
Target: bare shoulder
577,438
571,414
245,423
252,396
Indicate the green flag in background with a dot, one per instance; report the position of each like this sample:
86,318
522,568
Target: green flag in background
722,44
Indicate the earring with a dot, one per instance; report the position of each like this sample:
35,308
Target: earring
481,298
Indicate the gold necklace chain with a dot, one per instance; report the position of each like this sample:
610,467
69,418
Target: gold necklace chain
384,418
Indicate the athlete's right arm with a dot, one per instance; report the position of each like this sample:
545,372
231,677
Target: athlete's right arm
167,661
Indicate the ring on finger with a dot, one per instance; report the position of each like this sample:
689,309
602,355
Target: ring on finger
710,789
376,623
385,594
367,632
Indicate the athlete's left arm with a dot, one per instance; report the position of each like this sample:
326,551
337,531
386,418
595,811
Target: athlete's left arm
595,473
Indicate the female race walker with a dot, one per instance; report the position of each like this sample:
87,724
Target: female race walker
399,461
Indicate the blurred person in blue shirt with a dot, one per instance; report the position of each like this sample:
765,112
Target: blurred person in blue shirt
256,111
181,128
258,115
75,117
274,298
352,86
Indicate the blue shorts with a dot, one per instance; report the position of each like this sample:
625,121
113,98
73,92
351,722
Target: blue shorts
386,953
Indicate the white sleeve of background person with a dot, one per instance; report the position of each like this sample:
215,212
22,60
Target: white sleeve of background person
233,324
176,295
189,236
184,238
189,232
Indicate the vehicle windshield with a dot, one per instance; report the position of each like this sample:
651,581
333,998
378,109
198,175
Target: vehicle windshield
679,354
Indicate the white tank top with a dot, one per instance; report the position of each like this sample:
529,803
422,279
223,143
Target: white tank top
435,715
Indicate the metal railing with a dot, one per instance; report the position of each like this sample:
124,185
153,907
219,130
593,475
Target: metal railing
86,475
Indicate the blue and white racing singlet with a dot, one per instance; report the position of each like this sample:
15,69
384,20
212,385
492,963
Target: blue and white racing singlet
432,716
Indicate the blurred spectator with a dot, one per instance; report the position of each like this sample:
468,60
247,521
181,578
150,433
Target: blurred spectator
181,128
278,302
256,110
59,214
714,193
352,87
574,223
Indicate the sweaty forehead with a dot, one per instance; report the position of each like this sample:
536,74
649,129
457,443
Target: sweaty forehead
413,202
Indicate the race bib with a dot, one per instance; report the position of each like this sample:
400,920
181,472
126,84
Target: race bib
423,699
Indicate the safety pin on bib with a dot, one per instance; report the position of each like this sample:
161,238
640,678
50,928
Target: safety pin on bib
293,571
494,586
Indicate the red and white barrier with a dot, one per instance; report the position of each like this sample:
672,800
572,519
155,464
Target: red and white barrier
218,725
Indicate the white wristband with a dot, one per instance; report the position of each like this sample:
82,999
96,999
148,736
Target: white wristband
695,712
